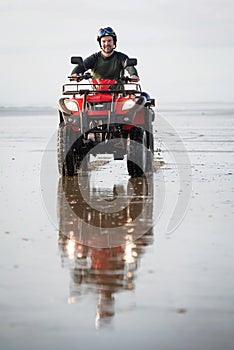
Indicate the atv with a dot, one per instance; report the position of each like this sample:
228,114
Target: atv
105,117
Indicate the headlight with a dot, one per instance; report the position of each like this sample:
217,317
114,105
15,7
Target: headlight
128,104
71,105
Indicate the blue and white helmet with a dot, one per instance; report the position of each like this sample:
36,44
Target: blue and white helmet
108,31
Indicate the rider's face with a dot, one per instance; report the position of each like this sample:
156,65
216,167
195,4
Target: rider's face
107,44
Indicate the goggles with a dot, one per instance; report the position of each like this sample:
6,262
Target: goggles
105,31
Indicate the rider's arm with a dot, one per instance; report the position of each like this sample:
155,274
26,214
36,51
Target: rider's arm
89,63
131,70
133,73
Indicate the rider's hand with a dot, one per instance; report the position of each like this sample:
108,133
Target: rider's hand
134,78
73,77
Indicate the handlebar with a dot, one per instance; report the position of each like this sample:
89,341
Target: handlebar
85,76
126,80
88,75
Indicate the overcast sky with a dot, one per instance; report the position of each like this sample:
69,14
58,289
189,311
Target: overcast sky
185,48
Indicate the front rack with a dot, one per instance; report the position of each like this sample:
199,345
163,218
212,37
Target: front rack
84,89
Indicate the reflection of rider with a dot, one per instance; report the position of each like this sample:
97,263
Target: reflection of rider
107,63
105,271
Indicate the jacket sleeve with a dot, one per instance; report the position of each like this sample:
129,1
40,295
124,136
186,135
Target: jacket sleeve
89,63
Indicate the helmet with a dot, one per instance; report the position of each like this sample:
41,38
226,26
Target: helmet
108,31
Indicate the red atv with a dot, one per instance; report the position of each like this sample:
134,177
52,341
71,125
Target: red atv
105,116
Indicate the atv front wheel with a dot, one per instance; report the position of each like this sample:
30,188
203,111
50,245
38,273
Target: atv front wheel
66,151
138,156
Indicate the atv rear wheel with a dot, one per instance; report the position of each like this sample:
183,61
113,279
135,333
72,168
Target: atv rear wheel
148,126
150,153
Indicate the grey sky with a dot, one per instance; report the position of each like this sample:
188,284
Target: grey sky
185,48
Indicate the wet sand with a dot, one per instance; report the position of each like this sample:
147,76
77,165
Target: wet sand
169,285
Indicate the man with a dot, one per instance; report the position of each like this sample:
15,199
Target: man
107,63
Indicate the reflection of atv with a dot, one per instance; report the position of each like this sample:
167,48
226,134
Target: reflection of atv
99,263
103,218
105,116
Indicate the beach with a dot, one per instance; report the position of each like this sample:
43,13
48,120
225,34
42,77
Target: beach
158,276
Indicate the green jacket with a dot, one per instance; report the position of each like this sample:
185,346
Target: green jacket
106,67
